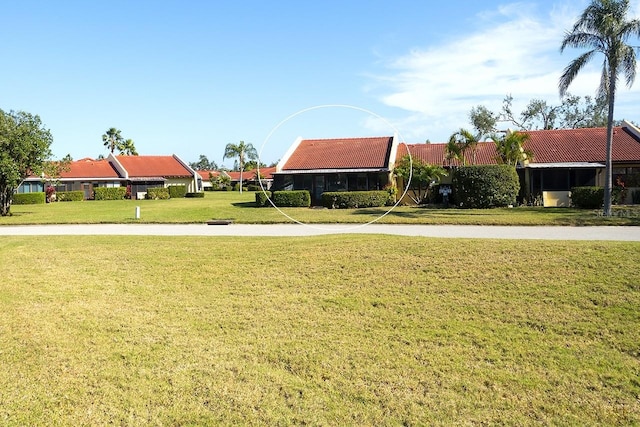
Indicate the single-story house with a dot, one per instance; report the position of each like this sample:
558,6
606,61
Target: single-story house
205,177
562,159
139,172
251,177
248,177
341,164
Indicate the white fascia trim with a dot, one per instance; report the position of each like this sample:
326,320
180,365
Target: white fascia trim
121,170
283,161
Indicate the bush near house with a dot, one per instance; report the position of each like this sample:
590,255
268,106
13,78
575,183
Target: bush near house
37,198
70,196
109,193
354,199
587,197
485,186
177,191
292,198
262,199
156,193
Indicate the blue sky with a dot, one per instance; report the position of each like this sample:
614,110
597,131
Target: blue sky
188,77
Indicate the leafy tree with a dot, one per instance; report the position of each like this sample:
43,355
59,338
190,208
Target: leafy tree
52,171
510,148
203,164
253,164
483,121
243,152
536,115
604,28
113,140
459,143
128,148
573,112
24,147
422,175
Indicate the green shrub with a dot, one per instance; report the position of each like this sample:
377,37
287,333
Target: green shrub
156,193
70,196
291,198
199,195
227,188
36,198
109,193
262,199
354,199
485,186
177,191
587,197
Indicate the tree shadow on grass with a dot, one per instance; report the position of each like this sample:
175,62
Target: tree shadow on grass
244,204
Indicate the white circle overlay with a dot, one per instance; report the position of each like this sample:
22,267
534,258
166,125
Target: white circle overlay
345,106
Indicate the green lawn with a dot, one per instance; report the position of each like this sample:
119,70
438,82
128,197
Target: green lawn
330,330
240,208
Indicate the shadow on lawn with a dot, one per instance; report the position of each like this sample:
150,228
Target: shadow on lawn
244,204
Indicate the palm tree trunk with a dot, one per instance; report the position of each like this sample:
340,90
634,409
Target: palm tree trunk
241,157
608,169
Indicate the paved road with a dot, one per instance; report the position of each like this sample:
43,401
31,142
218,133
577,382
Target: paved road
445,231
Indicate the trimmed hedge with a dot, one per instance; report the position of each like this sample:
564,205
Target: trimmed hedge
156,193
177,191
37,198
70,196
587,197
194,195
109,193
485,186
354,199
291,198
262,199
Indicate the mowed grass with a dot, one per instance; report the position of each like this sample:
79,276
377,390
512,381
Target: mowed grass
241,209
330,330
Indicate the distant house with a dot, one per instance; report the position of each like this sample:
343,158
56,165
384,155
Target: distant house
143,172
205,177
251,177
342,164
138,172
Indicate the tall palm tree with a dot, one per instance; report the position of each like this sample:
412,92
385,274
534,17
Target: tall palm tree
243,152
604,28
112,139
128,148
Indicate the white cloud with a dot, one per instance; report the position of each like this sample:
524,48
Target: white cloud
512,50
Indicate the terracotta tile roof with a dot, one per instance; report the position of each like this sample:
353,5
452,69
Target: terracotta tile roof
251,174
582,145
435,154
89,168
153,166
341,153
205,174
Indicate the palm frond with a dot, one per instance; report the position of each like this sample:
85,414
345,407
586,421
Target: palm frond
572,70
